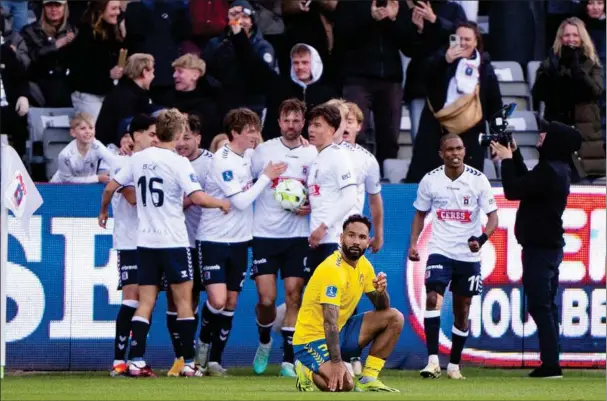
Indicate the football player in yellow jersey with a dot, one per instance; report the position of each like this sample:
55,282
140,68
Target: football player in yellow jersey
326,333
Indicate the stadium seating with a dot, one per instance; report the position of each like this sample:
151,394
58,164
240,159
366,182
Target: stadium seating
512,83
490,170
51,127
395,170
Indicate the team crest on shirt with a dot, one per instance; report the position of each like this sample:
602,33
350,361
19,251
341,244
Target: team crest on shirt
331,291
193,177
227,175
304,170
466,200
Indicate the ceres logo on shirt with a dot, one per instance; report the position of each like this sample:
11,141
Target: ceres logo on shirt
331,291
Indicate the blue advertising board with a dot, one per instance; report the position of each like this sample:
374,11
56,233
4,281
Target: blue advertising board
62,297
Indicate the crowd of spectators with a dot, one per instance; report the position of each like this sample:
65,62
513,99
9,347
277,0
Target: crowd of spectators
115,59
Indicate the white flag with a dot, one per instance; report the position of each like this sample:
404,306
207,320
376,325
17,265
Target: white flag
20,194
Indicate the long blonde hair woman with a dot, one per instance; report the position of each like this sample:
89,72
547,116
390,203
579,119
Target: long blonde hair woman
570,83
572,32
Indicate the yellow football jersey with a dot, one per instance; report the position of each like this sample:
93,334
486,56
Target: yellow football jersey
337,283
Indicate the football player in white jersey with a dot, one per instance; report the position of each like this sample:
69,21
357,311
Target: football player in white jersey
455,195
143,132
280,237
367,175
188,146
223,239
331,184
161,177
79,161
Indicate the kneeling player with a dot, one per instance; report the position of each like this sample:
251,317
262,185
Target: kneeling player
326,333
143,132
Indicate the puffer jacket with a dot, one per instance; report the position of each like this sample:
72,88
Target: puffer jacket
571,87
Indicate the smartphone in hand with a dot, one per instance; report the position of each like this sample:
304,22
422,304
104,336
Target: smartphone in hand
454,41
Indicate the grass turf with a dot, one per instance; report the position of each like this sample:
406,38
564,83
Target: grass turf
482,384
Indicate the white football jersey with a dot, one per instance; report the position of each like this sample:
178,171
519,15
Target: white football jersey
201,166
331,171
367,173
270,220
230,174
161,177
125,214
456,208
75,168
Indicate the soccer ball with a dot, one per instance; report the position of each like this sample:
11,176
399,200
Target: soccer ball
290,194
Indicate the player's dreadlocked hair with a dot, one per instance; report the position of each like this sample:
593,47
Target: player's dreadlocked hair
169,124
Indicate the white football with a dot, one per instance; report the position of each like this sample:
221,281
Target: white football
290,194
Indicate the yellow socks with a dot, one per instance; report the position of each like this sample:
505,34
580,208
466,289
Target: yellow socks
373,366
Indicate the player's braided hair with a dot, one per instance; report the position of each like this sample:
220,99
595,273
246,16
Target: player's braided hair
357,218
169,124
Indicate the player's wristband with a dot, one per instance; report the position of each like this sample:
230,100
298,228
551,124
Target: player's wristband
480,239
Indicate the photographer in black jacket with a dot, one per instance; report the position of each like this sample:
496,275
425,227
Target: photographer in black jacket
542,193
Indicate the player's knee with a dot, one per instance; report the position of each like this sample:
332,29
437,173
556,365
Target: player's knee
267,301
432,302
218,303
231,301
293,297
397,320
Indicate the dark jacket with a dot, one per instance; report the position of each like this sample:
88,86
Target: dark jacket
543,191
433,37
13,75
49,65
205,101
366,48
125,100
571,87
438,75
157,28
221,62
278,88
90,60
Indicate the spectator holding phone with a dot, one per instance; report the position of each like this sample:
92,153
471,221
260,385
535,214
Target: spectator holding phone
570,83
463,92
433,21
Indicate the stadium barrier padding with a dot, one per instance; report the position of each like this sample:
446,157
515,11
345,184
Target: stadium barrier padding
63,299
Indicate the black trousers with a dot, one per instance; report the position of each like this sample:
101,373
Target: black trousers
540,282
384,100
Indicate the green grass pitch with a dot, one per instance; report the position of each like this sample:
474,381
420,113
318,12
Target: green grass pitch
482,384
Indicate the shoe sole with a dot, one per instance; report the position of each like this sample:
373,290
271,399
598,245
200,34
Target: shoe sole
429,375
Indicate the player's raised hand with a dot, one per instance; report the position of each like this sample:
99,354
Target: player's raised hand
102,219
274,170
413,254
380,282
336,376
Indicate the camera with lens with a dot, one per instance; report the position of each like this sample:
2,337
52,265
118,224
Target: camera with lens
498,127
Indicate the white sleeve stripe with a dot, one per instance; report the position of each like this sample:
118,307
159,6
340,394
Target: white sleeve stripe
374,193
422,211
